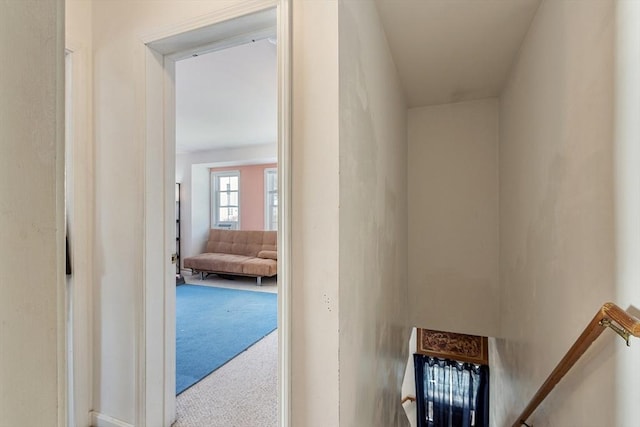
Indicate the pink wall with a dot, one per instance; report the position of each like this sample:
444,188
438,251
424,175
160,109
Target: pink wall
251,194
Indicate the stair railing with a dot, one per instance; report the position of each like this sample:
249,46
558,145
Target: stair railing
609,315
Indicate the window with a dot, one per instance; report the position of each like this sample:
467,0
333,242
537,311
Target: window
271,199
225,205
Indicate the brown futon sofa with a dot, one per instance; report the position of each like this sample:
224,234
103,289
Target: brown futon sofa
238,252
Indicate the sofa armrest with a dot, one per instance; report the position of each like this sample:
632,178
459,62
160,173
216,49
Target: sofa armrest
268,254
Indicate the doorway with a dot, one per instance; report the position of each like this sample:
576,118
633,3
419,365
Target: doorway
226,147
156,386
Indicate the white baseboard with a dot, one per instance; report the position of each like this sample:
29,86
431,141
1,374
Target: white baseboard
102,420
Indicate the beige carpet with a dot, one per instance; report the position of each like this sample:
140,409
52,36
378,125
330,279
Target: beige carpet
242,393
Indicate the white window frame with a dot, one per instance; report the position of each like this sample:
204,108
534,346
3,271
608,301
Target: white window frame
268,220
215,200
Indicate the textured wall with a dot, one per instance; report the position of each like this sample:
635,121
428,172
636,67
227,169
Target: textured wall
453,217
373,223
315,191
556,215
32,213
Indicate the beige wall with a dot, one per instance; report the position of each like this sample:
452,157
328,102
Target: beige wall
32,381
78,25
315,215
557,263
373,232
453,217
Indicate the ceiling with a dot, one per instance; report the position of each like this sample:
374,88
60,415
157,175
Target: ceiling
445,51
227,98
454,50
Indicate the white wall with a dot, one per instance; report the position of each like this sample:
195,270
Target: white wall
192,172
374,328
315,216
453,217
557,251
409,381
195,200
627,161
32,311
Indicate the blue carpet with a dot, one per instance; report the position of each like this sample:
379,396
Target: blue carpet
213,325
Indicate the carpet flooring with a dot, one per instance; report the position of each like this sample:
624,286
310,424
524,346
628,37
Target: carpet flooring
213,325
242,393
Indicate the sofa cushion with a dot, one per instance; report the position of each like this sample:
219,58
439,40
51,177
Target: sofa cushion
260,267
241,242
226,263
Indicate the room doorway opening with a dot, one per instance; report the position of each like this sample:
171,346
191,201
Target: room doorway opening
156,344
226,159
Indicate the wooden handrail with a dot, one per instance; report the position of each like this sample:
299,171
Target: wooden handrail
608,313
408,399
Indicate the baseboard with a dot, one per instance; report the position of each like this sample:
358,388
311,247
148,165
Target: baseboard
102,420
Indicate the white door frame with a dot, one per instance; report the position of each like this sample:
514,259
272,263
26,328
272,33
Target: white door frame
79,179
155,335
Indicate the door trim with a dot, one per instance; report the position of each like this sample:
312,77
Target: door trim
155,334
80,178
285,210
